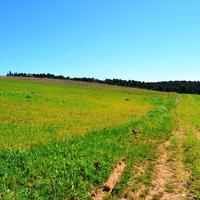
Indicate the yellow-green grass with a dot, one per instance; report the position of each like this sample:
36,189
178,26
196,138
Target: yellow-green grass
42,115
188,112
35,112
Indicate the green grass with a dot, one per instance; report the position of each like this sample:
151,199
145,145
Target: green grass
35,112
188,112
67,170
192,161
154,128
61,141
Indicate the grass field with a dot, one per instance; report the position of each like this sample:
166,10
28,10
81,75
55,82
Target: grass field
61,140
189,112
37,112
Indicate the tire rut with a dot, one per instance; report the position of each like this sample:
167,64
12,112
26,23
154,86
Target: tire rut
170,177
112,180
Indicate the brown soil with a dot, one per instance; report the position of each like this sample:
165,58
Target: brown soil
139,171
113,179
137,193
169,175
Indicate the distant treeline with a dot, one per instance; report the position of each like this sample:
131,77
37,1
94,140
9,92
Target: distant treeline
190,87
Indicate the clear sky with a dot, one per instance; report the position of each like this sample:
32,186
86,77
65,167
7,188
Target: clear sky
146,40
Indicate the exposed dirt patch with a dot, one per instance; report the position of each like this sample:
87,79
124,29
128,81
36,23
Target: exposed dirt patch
198,136
197,132
177,100
181,175
169,175
162,174
113,179
135,133
135,188
138,192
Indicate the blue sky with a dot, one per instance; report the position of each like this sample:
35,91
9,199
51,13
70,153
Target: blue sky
148,40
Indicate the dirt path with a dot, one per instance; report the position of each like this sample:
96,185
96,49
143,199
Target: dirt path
111,181
135,187
170,177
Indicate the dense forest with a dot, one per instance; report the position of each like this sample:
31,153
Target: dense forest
190,87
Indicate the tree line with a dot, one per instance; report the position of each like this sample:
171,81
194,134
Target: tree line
190,87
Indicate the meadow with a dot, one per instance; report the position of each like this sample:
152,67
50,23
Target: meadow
35,112
61,140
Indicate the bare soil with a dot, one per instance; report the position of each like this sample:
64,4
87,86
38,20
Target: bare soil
112,180
170,177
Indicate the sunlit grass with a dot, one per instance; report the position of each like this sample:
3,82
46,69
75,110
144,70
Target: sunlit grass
53,134
67,170
188,112
37,112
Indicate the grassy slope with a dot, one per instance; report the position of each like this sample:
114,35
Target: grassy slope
188,112
72,168
35,112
